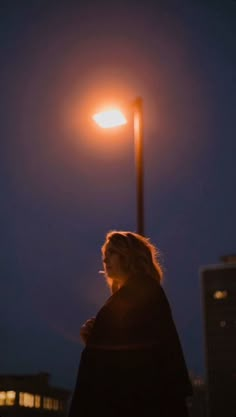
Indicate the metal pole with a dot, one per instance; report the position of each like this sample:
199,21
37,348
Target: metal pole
138,143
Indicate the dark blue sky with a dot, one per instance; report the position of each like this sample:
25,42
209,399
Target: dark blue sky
64,183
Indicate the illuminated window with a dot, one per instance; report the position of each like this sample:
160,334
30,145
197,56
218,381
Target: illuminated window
47,403
21,398
10,397
26,399
37,401
2,397
220,295
198,381
55,404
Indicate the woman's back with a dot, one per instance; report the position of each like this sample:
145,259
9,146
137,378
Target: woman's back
133,364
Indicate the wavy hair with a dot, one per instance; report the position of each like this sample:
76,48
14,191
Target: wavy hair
139,257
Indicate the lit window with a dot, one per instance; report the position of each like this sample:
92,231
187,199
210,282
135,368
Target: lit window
10,397
55,404
220,295
47,403
198,381
37,401
26,399
21,398
2,398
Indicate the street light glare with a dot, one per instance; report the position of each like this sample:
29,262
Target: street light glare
110,118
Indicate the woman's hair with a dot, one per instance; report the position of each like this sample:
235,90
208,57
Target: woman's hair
138,256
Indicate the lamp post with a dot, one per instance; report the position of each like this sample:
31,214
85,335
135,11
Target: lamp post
113,118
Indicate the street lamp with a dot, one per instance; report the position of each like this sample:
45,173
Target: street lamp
113,118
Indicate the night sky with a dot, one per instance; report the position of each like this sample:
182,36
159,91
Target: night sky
65,183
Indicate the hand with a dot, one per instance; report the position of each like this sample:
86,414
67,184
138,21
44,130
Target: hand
86,329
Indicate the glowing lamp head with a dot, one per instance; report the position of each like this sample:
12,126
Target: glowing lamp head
110,118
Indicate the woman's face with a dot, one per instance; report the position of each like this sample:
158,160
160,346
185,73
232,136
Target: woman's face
112,263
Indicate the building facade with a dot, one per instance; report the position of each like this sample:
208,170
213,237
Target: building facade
219,312
31,396
197,403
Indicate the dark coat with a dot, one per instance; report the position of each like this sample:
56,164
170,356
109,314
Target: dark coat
133,365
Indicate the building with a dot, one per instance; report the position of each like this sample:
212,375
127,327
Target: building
197,403
219,312
31,396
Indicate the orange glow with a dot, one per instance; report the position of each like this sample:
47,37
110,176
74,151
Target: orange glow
220,295
84,134
110,118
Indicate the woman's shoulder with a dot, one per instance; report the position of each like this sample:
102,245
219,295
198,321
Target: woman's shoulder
145,286
144,291
139,293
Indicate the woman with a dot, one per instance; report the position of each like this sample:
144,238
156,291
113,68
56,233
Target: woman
132,364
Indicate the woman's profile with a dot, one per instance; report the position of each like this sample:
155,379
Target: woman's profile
132,364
